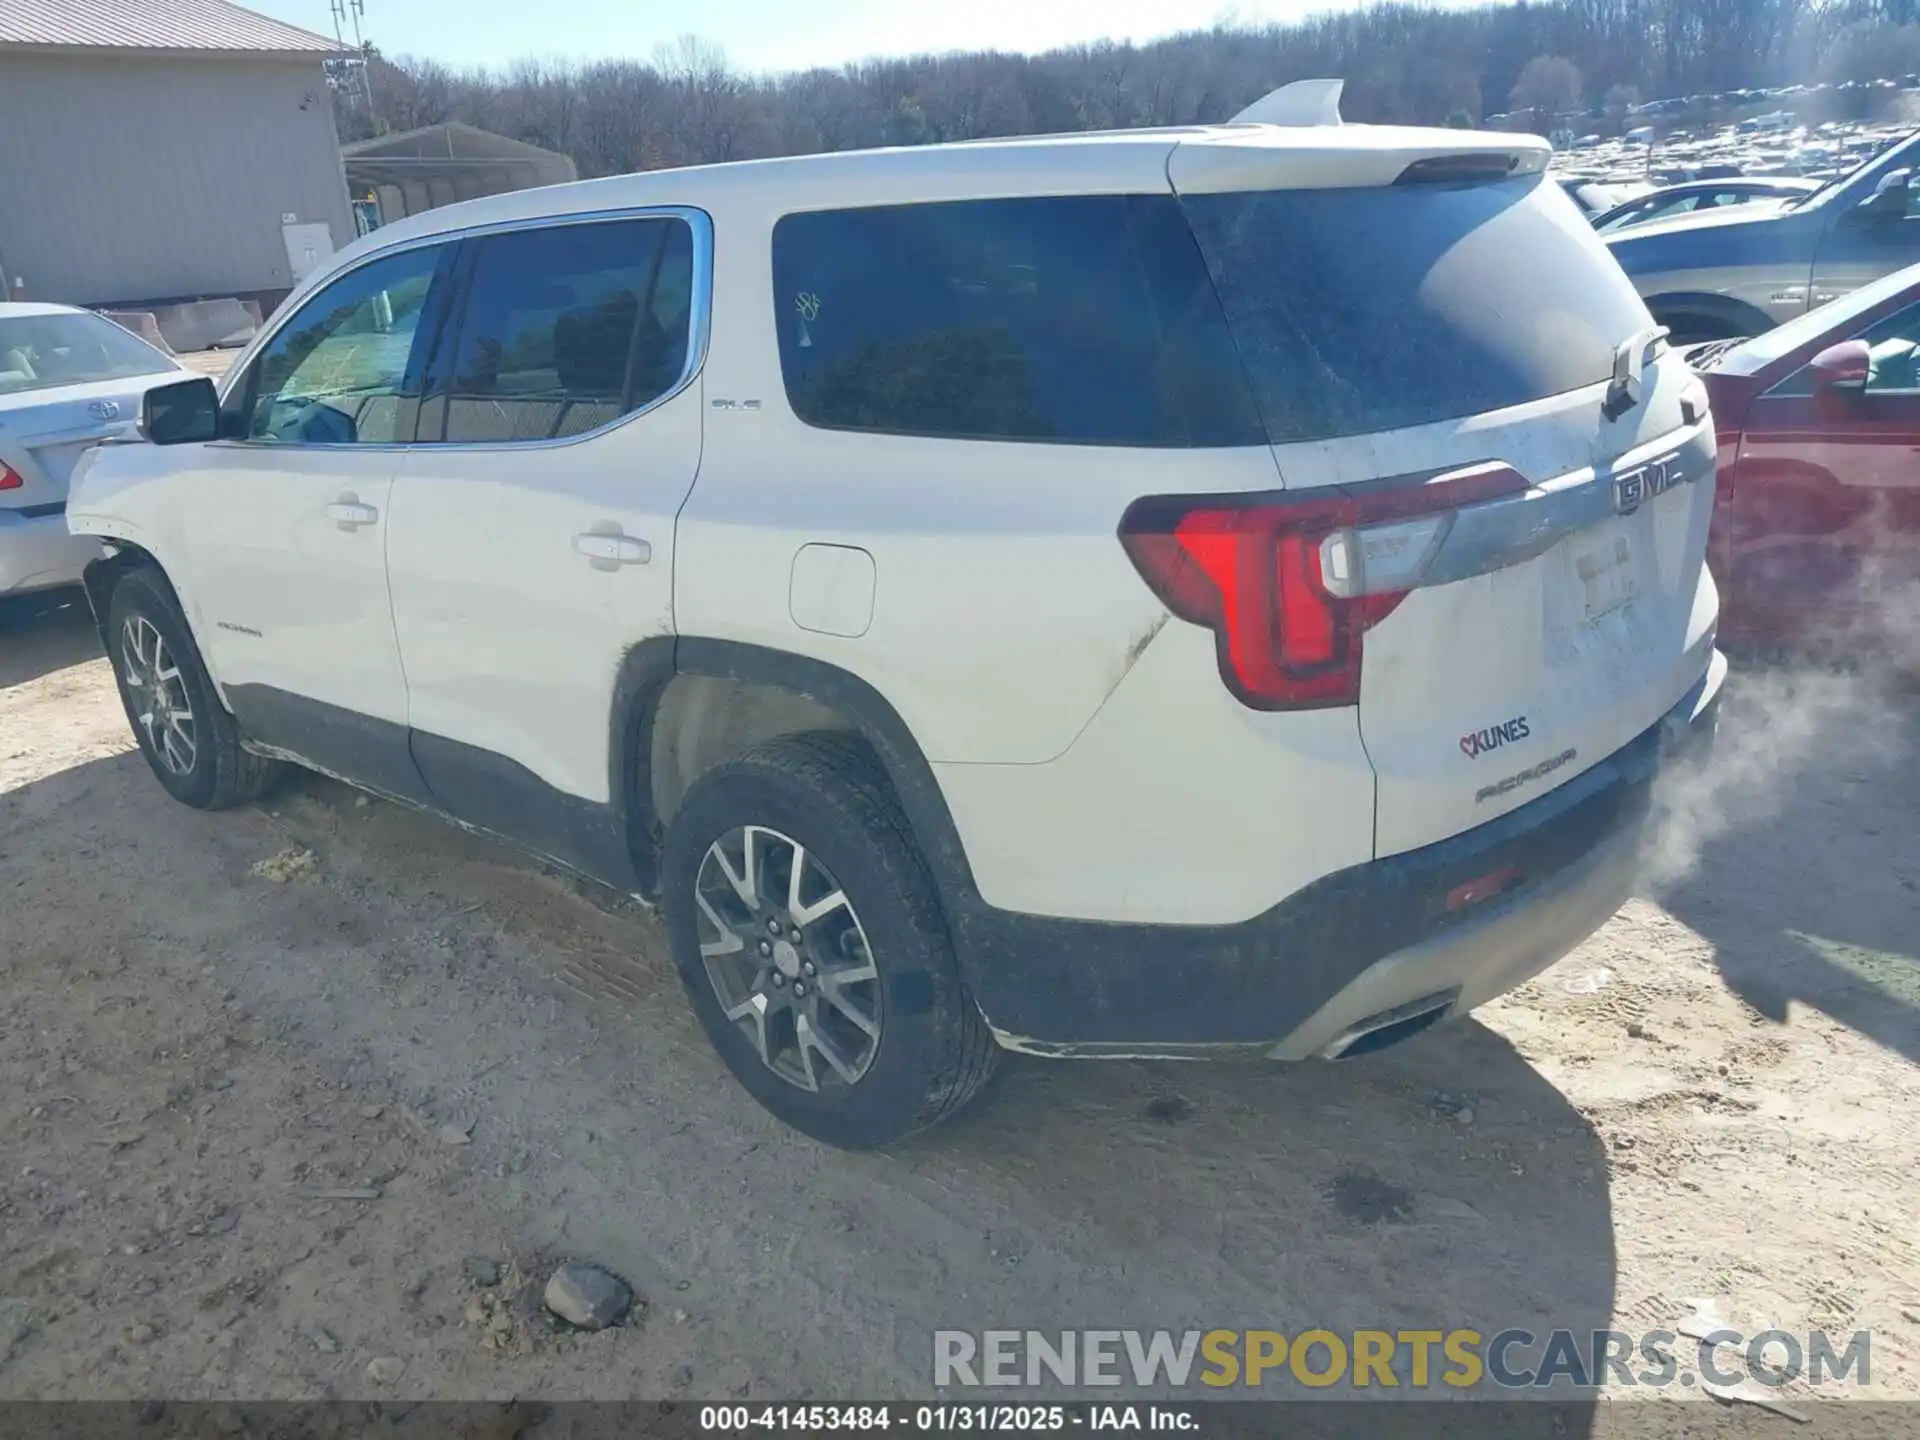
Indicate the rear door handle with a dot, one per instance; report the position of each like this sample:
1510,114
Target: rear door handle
609,550
349,514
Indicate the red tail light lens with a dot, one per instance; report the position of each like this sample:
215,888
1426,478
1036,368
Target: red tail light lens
1290,585
9,477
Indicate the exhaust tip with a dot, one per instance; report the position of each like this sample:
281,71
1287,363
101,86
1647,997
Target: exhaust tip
1387,1028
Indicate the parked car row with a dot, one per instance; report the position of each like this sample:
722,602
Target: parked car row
1674,105
1733,272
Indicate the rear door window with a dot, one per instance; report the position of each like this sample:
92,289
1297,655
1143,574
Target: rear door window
1083,320
563,329
1366,309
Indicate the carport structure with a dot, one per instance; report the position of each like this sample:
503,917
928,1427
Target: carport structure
422,169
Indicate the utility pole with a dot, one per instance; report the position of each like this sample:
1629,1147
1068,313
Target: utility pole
347,15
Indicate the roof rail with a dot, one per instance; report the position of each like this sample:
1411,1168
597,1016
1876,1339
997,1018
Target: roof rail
1304,102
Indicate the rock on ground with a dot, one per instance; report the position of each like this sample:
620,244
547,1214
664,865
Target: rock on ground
385,1369
587,1296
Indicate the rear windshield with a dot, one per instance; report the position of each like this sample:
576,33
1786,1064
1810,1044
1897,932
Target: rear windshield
1360,310
39,352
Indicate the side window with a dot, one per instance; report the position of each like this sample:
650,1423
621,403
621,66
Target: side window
335,373
1081,320
1894,344
567,327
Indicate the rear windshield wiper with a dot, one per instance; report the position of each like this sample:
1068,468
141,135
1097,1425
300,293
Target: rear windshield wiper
1630,360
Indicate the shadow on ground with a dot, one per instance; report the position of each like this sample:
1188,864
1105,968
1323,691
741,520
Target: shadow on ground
1832,918
44,632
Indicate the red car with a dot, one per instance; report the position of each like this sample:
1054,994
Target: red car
1816,525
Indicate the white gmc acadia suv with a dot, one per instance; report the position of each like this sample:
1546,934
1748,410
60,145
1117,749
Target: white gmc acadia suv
1167,593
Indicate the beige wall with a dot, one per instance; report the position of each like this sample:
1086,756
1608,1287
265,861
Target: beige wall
162,177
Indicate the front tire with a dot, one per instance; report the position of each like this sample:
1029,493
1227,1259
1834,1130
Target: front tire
189,740
813,947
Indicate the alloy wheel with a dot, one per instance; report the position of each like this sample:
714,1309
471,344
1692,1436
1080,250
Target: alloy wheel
159,694
788,958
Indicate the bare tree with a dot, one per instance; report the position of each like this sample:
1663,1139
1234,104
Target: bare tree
1549,86
1619,102
1405,62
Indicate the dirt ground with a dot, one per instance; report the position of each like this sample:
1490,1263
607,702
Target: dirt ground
1715,1097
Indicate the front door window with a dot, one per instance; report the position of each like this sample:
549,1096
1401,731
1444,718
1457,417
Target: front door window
336,373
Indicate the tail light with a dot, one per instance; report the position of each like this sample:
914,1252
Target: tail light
9,477
1291,585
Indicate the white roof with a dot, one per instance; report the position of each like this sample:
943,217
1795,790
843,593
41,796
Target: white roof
1120,162
159,26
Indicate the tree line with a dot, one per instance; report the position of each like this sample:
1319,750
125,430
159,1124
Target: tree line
686,104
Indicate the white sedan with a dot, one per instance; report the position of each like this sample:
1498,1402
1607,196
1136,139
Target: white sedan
68,380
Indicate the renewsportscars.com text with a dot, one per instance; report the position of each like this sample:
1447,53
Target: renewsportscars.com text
1460,1359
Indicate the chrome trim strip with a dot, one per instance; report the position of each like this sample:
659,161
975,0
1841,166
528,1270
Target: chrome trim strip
699,327
1498,533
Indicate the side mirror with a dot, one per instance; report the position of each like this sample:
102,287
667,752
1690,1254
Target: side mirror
1839,375
1842,367
186,412
1889,199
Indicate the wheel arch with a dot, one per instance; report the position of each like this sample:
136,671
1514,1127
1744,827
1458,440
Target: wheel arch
757,693
102,575
1735,315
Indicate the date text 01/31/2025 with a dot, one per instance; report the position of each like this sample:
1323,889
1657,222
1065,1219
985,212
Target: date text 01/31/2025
936,1419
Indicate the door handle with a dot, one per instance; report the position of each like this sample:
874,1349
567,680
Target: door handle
349,514
615,549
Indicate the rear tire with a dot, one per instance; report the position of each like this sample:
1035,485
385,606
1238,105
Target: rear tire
190,742
860,1031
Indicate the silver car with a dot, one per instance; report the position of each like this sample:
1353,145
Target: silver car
68,380
1741,270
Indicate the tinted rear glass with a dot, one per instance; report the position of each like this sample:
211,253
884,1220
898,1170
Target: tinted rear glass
1359,310
568,327
41,352
1072,319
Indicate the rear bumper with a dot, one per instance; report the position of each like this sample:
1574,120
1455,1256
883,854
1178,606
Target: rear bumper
1370,951
37,553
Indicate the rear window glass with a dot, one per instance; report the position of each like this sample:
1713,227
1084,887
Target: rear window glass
1360,310
1071,319
41,352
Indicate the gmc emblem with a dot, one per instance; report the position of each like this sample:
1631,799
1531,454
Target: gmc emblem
1633,488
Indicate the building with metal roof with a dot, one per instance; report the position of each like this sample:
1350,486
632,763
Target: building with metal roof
163,150
155,26
393,176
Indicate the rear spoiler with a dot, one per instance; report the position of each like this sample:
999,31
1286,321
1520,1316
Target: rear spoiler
1272,144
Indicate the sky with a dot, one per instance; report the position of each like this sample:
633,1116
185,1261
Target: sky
766,34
